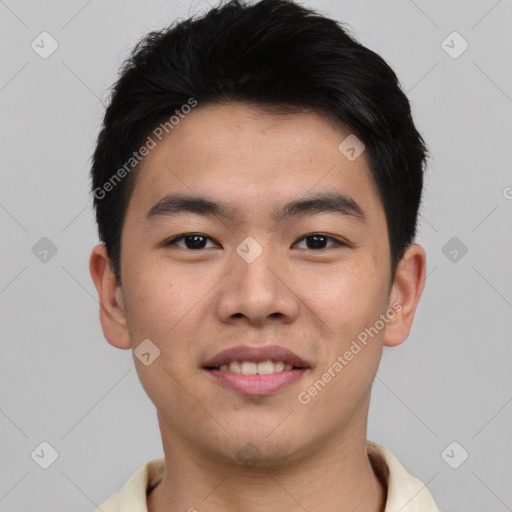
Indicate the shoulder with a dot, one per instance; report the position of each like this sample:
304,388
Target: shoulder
132,496
405,492
109,505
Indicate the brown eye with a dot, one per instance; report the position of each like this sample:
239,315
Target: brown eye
319,241
192,241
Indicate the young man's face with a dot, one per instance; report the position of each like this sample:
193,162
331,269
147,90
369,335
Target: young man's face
310,296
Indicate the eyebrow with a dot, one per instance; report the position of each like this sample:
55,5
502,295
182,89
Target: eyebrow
329,202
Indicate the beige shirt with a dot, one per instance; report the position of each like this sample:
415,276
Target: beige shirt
405,492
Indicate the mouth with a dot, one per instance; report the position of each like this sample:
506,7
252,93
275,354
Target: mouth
255,367
256,370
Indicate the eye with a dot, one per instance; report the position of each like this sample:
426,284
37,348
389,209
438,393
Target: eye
192,241
197,241
318,241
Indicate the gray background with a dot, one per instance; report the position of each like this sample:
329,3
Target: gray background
64,384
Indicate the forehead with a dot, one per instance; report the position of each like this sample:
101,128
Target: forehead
246,156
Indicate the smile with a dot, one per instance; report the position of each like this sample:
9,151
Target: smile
256,370
256,378
252,368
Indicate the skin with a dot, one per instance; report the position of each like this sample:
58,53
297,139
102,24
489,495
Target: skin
195,303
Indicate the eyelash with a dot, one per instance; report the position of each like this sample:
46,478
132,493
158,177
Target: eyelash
181,237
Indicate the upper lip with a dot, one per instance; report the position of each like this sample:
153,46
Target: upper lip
256,354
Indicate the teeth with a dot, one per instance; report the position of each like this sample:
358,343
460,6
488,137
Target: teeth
249,368
234,367
253,368
265,367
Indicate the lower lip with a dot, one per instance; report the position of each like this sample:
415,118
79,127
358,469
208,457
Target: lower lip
257,384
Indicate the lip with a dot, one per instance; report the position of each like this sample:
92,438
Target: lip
256,354
257,384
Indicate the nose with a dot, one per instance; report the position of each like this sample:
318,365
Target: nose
258,291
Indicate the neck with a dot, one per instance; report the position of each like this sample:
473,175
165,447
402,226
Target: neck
337,476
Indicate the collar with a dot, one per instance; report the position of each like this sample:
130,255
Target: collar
405,493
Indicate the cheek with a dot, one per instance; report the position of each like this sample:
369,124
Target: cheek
156,301
161,307
348,299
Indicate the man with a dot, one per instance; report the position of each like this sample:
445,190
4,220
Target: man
256,183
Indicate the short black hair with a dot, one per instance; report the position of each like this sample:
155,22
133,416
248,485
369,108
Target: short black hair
279,56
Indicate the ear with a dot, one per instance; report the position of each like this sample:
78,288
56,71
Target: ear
405,294
112,308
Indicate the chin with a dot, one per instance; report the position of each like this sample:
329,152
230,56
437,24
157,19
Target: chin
258,451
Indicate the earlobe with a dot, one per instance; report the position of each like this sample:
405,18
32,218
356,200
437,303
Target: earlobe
405,294
112,307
